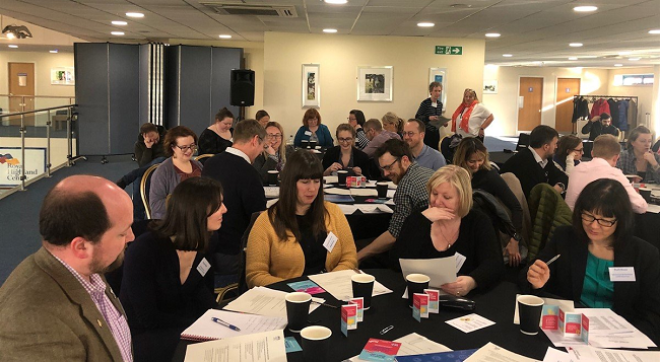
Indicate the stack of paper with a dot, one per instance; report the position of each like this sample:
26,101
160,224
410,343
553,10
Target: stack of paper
266,302
205,328
367,192
492,352
339,284
413,344
272,192
592,354
260,347
365,208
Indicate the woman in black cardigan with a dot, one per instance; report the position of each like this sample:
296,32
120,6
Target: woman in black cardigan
167,282
346,156
450,226
601,237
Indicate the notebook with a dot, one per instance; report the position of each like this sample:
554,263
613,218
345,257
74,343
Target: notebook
205,329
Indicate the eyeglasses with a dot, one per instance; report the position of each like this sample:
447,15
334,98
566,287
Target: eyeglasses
274,136
410,134
602,222
581,150
345,140
388,168
192,147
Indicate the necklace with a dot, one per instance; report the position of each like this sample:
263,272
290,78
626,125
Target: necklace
440,230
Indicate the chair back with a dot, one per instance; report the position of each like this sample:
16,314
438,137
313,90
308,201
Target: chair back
202,158
145,184
242,283
523,141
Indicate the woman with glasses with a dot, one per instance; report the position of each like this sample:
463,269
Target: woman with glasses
275,151
600,239
180,144
356,119
472,155
167,282
346,156
218,136
287,241
312,129
471,118
569,153
638,159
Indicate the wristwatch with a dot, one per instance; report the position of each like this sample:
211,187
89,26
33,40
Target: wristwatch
563,187
516,237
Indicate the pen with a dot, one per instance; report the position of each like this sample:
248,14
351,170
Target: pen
386,329
553,260
225,324
324,304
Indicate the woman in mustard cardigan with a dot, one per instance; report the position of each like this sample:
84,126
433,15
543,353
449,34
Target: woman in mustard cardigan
287,241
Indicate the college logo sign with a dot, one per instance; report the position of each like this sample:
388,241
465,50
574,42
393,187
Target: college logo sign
11,164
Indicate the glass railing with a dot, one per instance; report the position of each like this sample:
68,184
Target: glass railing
34,143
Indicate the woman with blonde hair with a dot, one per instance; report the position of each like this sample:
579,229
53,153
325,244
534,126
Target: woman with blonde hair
449,226
275,151
392,123
471,118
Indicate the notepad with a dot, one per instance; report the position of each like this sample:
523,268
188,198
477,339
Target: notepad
204,329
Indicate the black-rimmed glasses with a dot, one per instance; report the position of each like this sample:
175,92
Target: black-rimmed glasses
602,222
388,168
192,147
345,140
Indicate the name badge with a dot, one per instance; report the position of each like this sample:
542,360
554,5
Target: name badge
460,259
308,133
330,242
622,274
203,267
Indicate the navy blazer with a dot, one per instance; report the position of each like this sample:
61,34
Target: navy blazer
638,302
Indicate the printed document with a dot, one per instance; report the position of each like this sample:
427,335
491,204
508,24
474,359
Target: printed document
339,284
494,353
266,302
440,270
259,347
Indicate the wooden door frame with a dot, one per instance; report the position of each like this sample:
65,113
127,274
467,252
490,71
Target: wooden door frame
554,102
35,75
518,131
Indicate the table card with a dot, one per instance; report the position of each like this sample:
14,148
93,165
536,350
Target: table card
379,350
470,323
291,345
360,307
348,318
420,307
434,296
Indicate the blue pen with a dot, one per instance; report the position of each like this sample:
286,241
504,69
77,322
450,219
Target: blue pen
223,323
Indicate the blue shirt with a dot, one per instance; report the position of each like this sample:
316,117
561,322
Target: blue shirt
323,134
430,158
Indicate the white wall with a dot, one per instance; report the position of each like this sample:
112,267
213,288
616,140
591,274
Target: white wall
339,57
504,104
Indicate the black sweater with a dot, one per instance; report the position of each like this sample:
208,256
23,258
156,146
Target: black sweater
529,172
476,241
491,182
638,302
210,142
360,159
427,110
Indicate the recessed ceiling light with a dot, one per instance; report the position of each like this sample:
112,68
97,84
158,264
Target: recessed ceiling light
634,59
493,35
585,9
13,46
575,45
117,33
135,15
654,31
330,31
425,25
119,22
54,51
618,65
225,36
336,2
573,58
460,6
507,55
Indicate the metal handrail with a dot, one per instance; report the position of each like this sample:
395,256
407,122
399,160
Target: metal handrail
37,110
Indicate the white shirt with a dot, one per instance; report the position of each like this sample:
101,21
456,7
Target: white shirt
539,160
239,153
477,118
598,168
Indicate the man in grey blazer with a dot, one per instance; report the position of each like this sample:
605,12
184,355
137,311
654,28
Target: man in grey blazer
55,306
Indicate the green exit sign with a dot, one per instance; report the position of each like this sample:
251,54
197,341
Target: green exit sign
448,50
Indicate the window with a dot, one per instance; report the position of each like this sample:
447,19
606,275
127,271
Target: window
633,79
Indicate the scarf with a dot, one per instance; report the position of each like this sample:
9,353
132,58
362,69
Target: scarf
466,116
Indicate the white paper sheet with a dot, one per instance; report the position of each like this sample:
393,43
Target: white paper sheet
494,353
653,209
566,305
390,202
440,270
374,208
364,192
390,193
555,355
260,347
336,191
347,209
331,179
265,301
205,328
272,192
470,323
270,203
592,354
339,284
413,344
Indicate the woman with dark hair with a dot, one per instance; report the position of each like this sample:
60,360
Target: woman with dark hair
218,136
346,156
312,129
167,283
569,153
472,155
276,151
356,119
638,159
287,240
262,117
601,238
180,144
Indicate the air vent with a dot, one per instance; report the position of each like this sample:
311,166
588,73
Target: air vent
247,9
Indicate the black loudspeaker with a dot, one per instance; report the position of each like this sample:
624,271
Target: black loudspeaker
242,87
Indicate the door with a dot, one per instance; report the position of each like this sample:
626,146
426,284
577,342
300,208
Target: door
21,91
529,103
566,89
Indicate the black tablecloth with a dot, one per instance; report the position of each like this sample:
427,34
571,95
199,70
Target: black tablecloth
496,304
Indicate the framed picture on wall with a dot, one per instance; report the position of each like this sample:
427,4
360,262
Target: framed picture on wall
374,84
490,86
62,75
311,86
439,75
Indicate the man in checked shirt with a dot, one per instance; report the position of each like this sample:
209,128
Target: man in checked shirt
56,306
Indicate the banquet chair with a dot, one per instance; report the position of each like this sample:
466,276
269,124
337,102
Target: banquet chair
145,185
202,158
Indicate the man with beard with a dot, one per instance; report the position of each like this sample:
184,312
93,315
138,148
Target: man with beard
395,158
533,165
56,306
